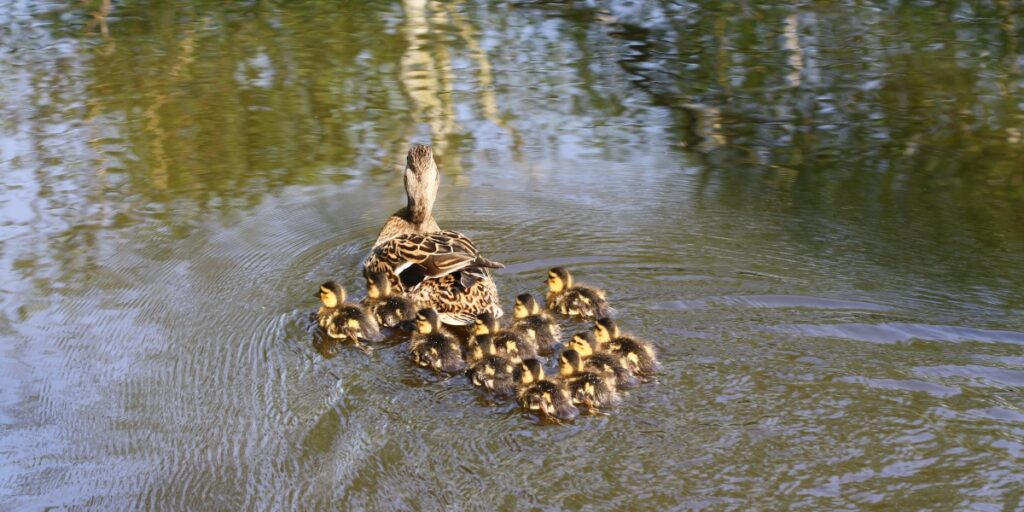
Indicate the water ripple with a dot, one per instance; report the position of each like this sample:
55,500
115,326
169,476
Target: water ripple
896,332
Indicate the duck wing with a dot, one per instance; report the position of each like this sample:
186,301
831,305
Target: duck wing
430,255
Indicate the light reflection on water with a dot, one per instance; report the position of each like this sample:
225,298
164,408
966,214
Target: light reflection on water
814,213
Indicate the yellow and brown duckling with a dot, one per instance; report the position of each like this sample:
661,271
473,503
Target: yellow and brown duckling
596,360
576,300
514,345
637,355
528,316
344,320
389,308
491,371
589,389
433,348
541,396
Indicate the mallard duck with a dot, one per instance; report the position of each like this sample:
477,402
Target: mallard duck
388,308
541,396
572,299
433,348
590,389
491,371
637,355
344,320
439,269
527,315
599,361
516,346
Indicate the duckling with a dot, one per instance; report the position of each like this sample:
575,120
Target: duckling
637,355
571,299
598,361
490,370
390,309
433,348
517,346
344,320
544,397
586,388
527,315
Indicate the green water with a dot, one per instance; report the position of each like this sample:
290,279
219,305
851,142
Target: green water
815,211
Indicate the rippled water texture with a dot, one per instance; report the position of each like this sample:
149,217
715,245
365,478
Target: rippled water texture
816,212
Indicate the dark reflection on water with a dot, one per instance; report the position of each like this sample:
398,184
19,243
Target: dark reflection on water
815,211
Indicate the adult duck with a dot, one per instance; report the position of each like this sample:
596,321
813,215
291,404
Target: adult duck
438,269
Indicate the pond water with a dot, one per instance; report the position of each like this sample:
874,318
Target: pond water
815,211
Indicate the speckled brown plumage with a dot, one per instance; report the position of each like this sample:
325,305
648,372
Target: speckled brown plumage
435,268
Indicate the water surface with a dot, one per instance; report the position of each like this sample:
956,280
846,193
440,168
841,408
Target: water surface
816,212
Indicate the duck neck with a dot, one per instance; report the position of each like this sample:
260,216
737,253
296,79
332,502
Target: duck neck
419,209
421,182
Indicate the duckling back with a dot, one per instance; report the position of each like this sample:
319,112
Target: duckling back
579,301
544,331
637,355
393,311
494,373
437,351
547,398
515,346
592,390
604,363
351,321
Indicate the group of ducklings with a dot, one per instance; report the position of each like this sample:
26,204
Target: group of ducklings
506,361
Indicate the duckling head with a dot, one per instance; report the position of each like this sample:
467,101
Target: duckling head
427,321
377,285
569,363
583,343
421,182
532,371
483,346
525,306
331,294
559,279
486,323
605,330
